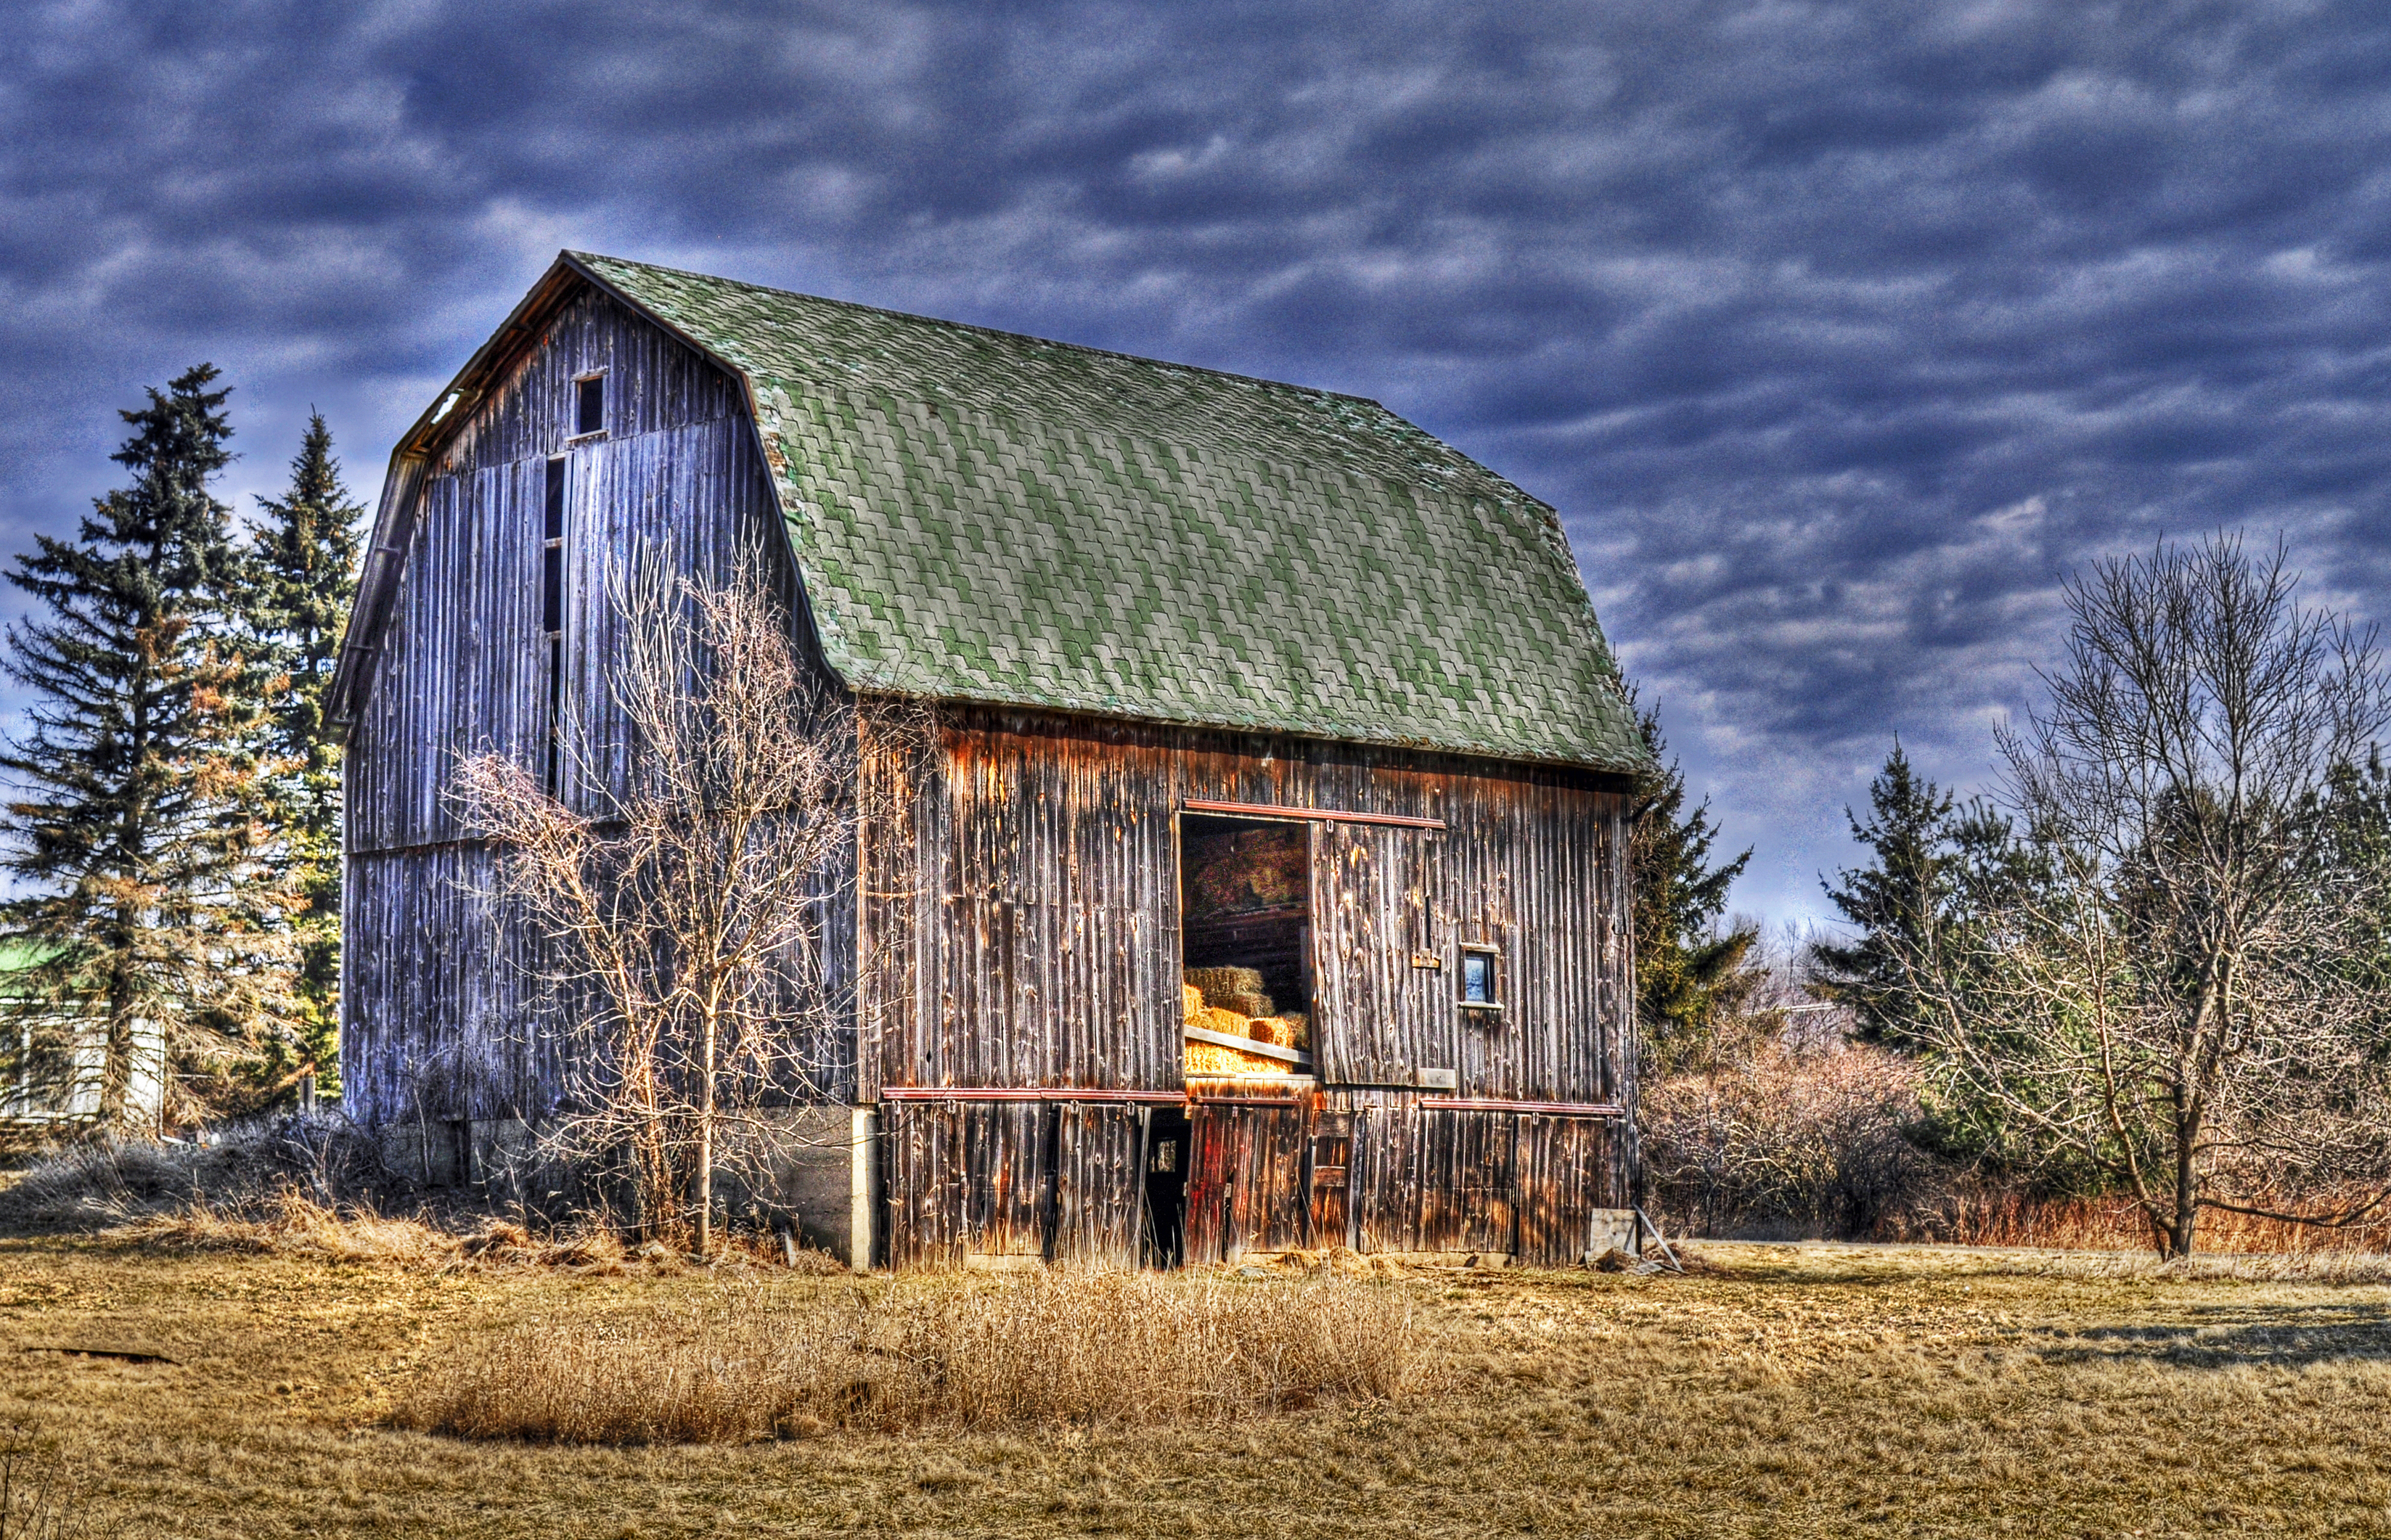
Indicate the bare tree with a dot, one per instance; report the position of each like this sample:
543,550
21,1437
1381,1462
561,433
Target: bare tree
683,917
2160,978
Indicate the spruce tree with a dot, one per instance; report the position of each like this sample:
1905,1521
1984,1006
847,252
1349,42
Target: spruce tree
1894,902
303,577
1687,974
139,818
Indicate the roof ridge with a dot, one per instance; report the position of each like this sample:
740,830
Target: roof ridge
988,330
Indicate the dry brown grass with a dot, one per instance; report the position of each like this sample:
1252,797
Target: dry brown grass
1778,1392
1044,1350
274,1193
2109,1224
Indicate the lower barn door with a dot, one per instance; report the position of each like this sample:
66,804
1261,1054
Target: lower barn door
1099,1192
1245,1180
1469,1182
1565,1179
970,1183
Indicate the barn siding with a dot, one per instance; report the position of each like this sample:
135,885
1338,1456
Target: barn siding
437,1005
1023,914
1379,903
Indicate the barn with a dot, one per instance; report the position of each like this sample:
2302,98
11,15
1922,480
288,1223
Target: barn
1267,886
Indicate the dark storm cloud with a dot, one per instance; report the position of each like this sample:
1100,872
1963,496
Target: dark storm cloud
1836,332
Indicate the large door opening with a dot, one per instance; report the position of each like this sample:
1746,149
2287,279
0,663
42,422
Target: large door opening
1245,942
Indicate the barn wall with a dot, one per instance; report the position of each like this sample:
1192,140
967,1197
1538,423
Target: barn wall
439,1017
1021,930
1023,924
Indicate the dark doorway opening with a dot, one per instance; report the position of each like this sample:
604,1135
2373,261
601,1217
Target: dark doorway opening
1166,1149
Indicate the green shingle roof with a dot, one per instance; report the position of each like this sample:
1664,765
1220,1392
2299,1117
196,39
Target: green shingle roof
986,517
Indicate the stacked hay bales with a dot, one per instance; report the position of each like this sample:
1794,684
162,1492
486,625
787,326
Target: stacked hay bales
1232,1003
1274,1030
1238,990
1209,1059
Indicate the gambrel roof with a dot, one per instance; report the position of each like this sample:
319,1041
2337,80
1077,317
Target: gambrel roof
979,516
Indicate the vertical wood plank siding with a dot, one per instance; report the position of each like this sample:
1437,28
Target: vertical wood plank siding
1021,929
1029,936
437,1014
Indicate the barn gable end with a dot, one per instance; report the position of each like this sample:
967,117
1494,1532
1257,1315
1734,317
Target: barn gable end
440,1020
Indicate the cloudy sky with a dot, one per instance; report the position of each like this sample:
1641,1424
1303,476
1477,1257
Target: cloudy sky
1838,333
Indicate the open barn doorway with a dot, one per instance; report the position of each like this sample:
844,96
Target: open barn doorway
1245,942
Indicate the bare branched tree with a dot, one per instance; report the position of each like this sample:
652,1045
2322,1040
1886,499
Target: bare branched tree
2160,979
683,918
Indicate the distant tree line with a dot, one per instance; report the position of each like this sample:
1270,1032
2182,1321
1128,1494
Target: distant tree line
173,833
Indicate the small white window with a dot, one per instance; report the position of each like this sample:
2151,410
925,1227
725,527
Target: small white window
1481,983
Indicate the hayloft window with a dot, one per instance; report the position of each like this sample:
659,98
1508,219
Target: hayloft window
551,621
588,404
1246,941
1479,981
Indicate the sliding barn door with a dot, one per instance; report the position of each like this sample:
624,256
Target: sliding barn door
1382,995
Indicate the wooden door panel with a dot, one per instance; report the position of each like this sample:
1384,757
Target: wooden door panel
1099,1191
1379,1019
1245,1180
1331,1179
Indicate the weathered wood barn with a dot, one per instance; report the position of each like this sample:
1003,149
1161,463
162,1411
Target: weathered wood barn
1267,886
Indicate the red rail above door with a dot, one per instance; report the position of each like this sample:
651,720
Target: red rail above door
1310,815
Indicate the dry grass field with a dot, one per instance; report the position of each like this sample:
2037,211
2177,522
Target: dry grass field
1780,1391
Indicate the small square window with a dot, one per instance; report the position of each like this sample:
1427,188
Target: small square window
1478,983
589,405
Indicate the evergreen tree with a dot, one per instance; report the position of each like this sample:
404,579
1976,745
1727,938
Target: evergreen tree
303,578
1893,902
136,835
1687,974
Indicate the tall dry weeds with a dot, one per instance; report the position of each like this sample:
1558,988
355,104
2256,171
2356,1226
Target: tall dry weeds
2005,1218
1049,1349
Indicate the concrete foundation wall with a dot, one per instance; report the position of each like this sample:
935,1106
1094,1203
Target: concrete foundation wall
1615,1229
813,1170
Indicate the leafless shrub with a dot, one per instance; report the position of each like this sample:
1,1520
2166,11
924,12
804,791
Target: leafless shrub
1051,1348
110,1180
682,916
1783,1140
37,1502
1977,1215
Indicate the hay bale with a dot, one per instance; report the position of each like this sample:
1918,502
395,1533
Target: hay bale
1218,984
1298,1025
1247,1002
1228,1023
1274,1030
1206,1058
1190,1005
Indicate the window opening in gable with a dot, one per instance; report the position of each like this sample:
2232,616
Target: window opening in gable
588,404
552,623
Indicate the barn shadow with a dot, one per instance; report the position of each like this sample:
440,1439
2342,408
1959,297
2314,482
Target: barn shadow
2240,1333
